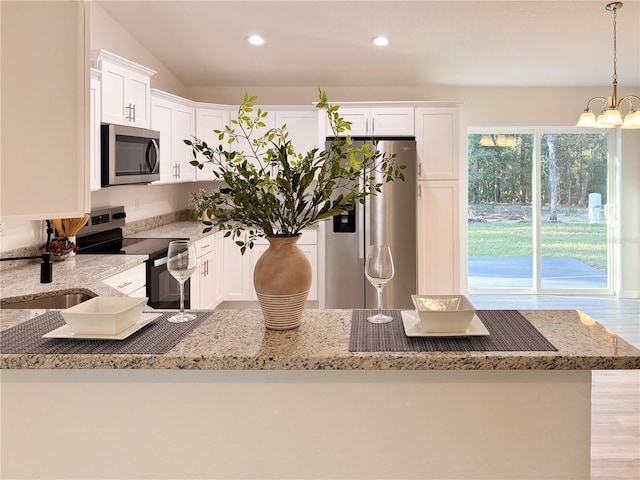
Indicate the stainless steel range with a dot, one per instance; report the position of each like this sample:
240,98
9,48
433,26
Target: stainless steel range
103,235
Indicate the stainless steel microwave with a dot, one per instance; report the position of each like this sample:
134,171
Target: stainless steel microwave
130,155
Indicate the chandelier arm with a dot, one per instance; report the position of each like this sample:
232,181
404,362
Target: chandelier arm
604,100
628,99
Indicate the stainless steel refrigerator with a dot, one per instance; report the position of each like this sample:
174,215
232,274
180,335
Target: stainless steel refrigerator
387,218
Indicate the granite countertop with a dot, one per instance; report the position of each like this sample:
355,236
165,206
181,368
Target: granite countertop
76,274
237,340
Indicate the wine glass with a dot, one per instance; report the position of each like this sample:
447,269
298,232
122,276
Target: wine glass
379,270
181,263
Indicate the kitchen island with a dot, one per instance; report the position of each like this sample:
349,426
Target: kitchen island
232,400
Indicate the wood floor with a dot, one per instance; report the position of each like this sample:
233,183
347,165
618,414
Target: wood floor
615,395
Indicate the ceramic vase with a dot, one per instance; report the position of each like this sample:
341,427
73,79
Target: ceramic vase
282,278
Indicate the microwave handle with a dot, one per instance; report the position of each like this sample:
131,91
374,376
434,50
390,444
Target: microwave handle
154,144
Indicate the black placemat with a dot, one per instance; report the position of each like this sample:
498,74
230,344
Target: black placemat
156,338
509,331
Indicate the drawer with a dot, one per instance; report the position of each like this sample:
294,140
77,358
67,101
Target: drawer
130,280
205,245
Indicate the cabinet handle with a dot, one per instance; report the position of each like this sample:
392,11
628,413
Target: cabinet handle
366,125
206,268
178,170
125,284
419,169
373,126
419,191
133,110
203,247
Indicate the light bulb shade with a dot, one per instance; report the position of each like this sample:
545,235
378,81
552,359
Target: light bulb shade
600,122
632,120
612,117
487,141
587,119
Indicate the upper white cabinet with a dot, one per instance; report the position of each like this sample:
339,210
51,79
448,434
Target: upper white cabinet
302,126
94,125
376,121
45,110
126,89
209,119
438,143
175,119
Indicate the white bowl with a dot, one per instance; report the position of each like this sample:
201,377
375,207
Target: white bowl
104,315
444,313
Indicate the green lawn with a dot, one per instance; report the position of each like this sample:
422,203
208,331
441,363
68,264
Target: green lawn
582,241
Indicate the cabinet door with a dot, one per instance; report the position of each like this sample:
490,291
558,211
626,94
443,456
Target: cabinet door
184,126
392,121
217,269
137,100
237,272
311,252
125,96
437,139
161,120
438,233
359,118
114,79
202,294
45,100
94,122
207,121
302,127
175,122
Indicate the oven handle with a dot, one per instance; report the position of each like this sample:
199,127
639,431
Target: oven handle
160,261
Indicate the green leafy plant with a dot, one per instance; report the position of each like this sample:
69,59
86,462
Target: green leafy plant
267,189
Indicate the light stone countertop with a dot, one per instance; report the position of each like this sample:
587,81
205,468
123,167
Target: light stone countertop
238,340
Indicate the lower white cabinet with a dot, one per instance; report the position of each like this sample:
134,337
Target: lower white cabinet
438,248
206,285
131,282
238,268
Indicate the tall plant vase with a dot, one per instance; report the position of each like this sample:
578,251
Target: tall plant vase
282,279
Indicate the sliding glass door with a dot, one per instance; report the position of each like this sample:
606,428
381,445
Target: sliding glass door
538,211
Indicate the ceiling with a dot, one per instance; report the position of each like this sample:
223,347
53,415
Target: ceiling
445,42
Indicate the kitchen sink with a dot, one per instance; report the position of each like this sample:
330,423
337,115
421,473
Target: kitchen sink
59,300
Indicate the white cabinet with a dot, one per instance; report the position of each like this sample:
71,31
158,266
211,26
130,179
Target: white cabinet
175,119
125,90
131,282
302,126
94,124
438,237
44,155
438,143
238,268
378,121
208,120
206,285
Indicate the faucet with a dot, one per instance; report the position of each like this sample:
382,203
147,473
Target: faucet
46,267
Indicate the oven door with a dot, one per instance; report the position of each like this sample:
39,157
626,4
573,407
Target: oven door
162,289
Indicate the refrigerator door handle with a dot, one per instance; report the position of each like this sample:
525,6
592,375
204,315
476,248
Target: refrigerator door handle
361,224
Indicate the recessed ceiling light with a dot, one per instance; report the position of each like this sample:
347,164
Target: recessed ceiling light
255,40
380,41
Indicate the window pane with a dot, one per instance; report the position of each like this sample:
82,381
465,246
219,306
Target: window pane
500,232
573,221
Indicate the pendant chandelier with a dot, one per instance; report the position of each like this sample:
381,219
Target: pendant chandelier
610,115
